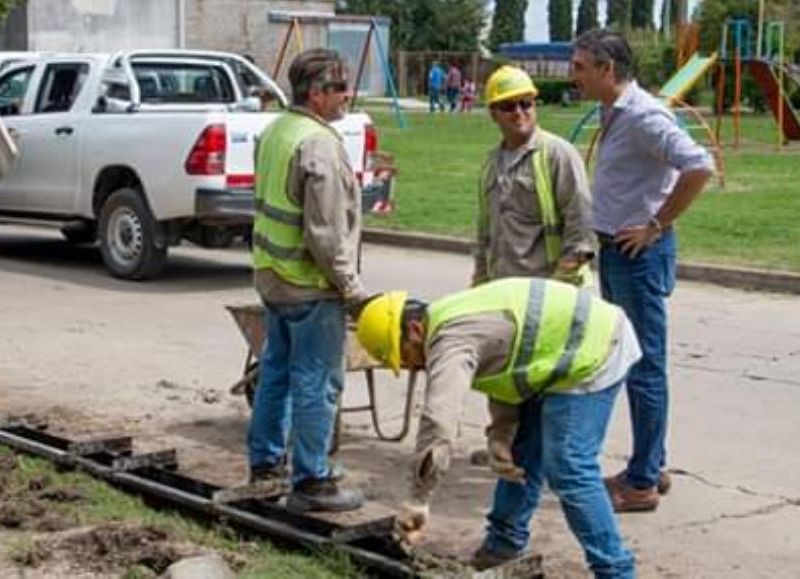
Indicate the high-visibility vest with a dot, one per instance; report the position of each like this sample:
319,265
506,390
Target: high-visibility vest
278,242
551,221
563,334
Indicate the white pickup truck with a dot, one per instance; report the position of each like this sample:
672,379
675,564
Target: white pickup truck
142,149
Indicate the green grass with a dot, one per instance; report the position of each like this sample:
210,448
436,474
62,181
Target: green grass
752,221
103,503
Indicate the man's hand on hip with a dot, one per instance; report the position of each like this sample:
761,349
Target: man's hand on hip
632,240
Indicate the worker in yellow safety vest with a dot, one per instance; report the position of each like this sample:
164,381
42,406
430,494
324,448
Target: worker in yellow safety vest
549,353
305,256
534,201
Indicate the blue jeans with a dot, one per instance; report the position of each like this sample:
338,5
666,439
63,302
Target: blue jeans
301,378
559,440
640,286
452,97
434,99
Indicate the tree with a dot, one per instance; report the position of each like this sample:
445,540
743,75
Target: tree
642,14
587,16
426,24
508,23
619,14
669,18
7,6
787,11
559,16
712,14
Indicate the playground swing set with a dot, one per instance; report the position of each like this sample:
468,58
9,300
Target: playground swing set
378,195
767,67
295,31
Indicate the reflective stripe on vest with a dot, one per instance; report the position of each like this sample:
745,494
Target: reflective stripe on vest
278,242
551,223
547,201
563,336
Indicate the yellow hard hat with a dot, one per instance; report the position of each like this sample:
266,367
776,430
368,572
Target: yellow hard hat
378,328
508,82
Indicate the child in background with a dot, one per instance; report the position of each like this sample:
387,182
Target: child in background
468,96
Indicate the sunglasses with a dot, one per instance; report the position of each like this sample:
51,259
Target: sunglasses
338,86
511,106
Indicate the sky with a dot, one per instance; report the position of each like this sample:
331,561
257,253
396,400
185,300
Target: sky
536,28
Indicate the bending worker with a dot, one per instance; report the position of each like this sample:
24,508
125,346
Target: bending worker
553,352
535,208
305,248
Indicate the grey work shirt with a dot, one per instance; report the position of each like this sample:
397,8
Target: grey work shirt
513,244
642,152
321,181
481,344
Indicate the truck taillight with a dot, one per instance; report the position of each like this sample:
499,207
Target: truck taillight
207,157
370,145
243,181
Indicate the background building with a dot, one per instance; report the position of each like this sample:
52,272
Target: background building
241,26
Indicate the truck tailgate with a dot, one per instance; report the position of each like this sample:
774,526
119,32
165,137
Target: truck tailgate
244,129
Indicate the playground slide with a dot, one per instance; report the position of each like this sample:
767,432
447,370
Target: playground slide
764,74
684,79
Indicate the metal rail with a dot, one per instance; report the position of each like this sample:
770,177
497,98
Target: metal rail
153,475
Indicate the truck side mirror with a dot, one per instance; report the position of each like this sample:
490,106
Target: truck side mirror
251,104
107,104
101,105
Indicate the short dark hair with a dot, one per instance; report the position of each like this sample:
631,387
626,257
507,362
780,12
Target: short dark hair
314,68
414,311
608,47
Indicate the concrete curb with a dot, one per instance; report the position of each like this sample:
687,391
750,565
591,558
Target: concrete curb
728,276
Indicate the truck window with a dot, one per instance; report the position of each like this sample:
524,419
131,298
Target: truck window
61,85
182,83
13,87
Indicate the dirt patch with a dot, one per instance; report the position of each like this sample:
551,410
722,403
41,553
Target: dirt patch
122,546
8,463
32,555
41,513
33,505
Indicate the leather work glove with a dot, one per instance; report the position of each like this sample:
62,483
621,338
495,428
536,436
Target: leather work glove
409,521
502,463
580,276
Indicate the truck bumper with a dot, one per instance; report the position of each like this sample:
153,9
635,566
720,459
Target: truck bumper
224,206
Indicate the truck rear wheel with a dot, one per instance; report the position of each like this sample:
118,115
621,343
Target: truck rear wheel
127,237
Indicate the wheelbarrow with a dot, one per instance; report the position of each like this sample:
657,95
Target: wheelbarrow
250,320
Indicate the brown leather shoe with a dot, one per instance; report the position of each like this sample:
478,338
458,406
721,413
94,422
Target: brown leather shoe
663,486
627,499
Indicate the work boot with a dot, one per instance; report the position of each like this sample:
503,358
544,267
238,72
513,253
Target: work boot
628,499
267,472
336,472
621,478
267,482
323,495
484,558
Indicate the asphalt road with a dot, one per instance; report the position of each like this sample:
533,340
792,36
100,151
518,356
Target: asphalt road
156,358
